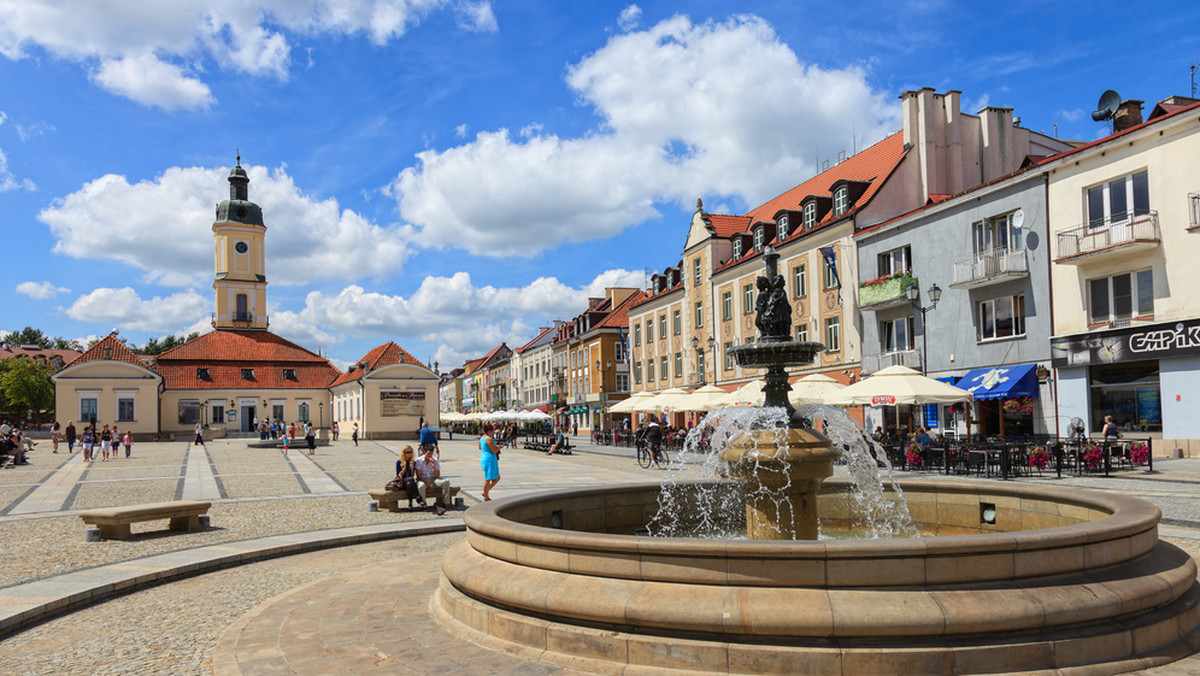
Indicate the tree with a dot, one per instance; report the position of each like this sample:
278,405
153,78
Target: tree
29,336
156,346
25,385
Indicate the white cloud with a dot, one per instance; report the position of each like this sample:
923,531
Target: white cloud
10,182
249,36
307,239
461,130
125,309
451,311
630,18
688,110
477,17
152,82
38,128
1071,115
40,290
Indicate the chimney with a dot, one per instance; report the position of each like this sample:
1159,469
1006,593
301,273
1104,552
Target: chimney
1128,114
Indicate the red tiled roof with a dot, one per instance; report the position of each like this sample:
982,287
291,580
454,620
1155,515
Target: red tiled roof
384,355
539,336
1123,132
647,297
226,353
619,317
39,354
110,348
488,357
471,366
727,226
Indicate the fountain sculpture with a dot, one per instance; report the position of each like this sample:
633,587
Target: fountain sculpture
1005,577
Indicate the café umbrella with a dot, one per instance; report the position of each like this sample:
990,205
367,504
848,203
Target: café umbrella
897,385
813,388
629,405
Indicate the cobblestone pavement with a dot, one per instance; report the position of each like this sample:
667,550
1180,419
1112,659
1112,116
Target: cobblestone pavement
175,628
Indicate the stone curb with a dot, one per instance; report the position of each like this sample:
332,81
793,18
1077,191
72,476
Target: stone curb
34,602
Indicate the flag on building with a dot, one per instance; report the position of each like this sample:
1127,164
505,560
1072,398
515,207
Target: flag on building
831,261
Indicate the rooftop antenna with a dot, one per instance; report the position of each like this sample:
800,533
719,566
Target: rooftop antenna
1110,100
1194,90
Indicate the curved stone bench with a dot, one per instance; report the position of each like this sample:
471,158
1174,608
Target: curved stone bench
390,500
114,521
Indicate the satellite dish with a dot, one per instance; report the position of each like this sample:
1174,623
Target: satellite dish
1018,218
1107,107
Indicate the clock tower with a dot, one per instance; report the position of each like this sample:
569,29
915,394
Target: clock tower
241,281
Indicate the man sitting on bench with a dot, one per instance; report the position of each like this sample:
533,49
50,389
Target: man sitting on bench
430,472
560,442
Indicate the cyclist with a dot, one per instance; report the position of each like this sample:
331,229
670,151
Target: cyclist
654,437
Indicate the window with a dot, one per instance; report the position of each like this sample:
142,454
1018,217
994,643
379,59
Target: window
662,367
727,305
701,368
302,412
202,374
125,410
218,412
242,314
696,272
833,334
1121,297
650,370
676,322
622,382
1112,202
618,351
189,412
841,200
662,326
747,298
997,234
737,248
810,215
802,332
678,364
277,409
896,261
637,335
289,374
728,356
829,273
650,330
799,282
637,373
896,335
783,228
247,374
699,314
1002,317
758,238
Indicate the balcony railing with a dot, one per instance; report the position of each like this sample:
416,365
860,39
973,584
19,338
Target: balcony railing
1109,236
990,267
877,294
877,361
245,318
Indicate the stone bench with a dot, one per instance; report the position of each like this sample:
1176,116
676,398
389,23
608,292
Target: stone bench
390,500
114,521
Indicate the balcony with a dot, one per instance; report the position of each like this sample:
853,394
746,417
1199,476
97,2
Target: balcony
885,292
878,361
1108,240
1193,211
991,267
243,320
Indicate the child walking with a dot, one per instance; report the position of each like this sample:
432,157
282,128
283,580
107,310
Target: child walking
128,441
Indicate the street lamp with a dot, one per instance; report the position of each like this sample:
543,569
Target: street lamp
321,410
914,296
696,347
712,353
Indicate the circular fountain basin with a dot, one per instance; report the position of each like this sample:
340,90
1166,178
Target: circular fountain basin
1017,578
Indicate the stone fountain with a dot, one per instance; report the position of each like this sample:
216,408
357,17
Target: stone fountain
788,473
1005,577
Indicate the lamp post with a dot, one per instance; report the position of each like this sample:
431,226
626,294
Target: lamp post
321,411
914,296
699,364
712,353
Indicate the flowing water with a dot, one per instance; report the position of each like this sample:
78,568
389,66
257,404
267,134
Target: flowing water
710,508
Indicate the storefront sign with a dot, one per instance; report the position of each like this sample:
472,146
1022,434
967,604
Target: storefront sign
882,399
931,416
393,404
1149,406
1158,341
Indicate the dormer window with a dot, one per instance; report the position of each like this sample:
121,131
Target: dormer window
758,239
841,200
810,215
202,374
783,227
247,374
737,248
289,374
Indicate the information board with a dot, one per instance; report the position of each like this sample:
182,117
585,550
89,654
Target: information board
393,404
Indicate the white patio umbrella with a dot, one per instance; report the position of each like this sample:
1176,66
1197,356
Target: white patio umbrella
706,398
629,404
813,388
897,385
750,394
536,416
663,400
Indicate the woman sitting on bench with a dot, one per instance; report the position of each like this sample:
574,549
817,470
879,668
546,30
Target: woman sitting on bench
406,477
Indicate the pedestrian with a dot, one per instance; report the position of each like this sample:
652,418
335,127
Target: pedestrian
354,434
489,461
199,440
575,428
105,443
310,436
69,432
54,435
116,441
286,444
128,441
292,430
89,437
334,430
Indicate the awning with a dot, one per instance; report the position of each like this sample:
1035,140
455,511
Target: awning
1001,382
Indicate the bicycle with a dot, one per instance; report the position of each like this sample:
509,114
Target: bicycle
645,456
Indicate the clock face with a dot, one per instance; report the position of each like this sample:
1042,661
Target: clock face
241,247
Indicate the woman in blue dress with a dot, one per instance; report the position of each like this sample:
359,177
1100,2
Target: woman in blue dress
489,459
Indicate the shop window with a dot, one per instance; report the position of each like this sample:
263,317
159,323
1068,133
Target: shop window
1118,200
1121,297
1002,317
896,335
1129,392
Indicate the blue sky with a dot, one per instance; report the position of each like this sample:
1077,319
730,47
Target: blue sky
452,174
